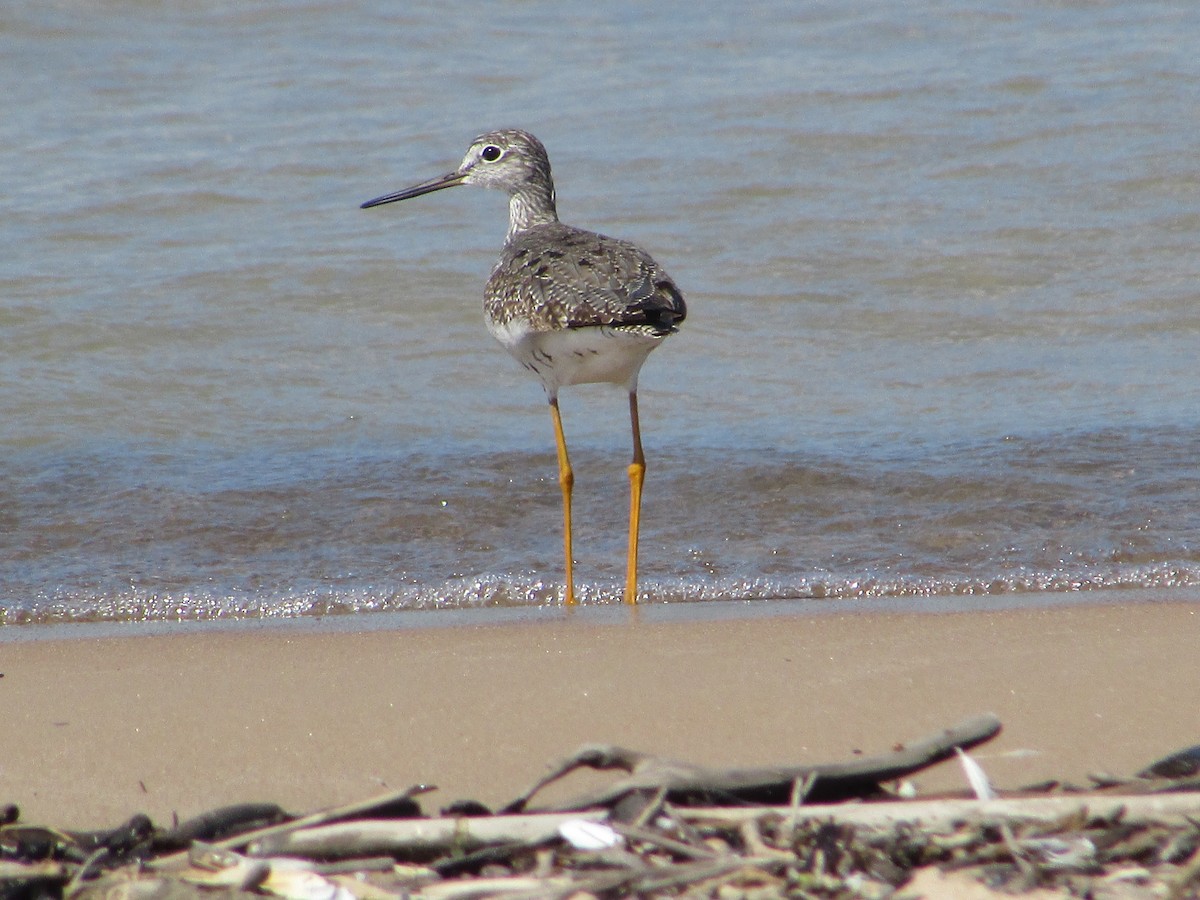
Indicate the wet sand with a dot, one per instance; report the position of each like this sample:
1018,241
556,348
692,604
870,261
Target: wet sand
96,729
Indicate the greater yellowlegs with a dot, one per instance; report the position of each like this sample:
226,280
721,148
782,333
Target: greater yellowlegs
573,306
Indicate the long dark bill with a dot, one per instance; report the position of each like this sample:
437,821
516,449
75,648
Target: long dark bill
453,179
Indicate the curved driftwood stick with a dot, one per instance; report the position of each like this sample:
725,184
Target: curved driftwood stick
689,784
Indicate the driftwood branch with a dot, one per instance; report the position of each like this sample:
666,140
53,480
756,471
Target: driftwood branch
1167,809
334,814
416,837
688,784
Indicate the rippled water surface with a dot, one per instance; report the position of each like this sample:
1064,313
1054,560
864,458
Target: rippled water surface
940,262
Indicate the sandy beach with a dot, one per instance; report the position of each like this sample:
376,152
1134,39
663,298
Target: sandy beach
96,729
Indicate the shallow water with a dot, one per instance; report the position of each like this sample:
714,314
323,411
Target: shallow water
940,264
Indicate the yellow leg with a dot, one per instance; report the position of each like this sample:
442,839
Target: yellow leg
566,480
637,474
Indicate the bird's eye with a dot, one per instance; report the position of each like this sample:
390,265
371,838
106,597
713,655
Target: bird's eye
491,153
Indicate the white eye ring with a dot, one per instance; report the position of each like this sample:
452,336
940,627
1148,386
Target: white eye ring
490,153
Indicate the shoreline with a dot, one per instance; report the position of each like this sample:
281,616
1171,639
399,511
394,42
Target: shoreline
98,728
600,614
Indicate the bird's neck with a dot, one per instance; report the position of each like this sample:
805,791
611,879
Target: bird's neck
530,206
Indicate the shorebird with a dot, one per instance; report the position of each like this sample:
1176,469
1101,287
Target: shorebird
573,306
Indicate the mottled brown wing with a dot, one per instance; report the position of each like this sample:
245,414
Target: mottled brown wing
554,276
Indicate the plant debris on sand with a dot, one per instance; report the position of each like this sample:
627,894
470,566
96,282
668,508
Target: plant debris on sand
663,829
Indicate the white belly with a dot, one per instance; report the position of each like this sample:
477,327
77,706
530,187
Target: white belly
578,355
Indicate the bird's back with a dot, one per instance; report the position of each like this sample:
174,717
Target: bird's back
553,277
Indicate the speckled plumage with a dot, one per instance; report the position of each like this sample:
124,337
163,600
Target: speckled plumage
572,306
555,276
